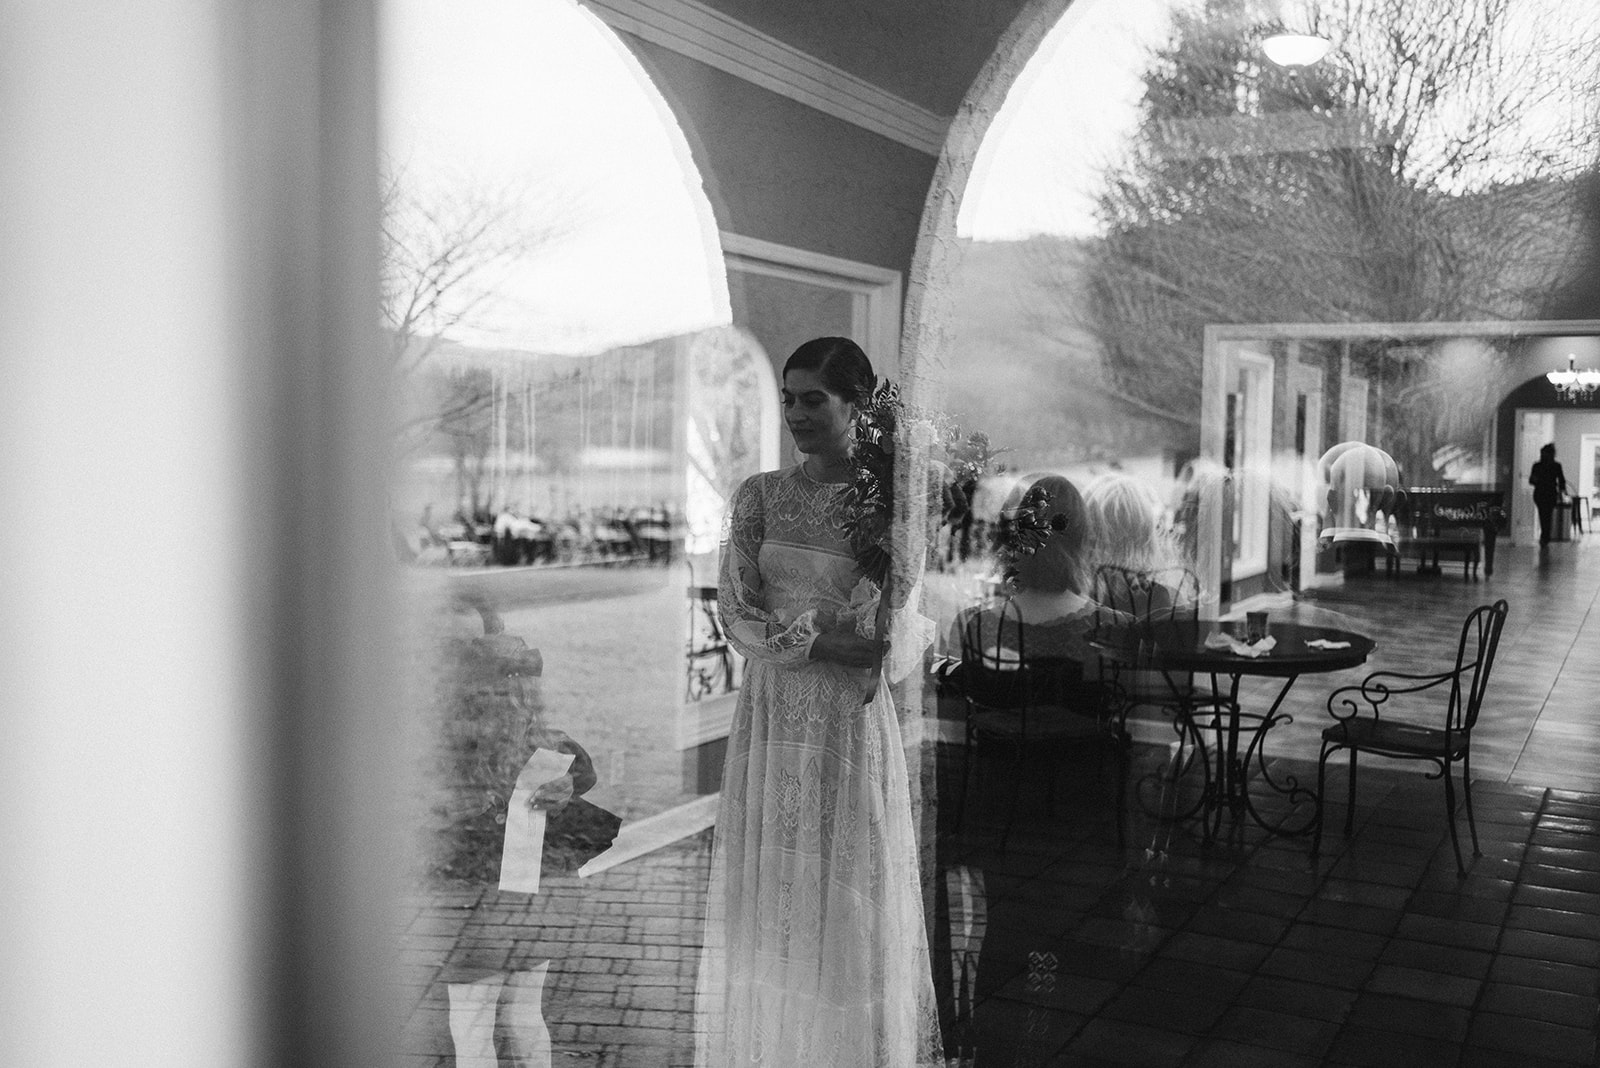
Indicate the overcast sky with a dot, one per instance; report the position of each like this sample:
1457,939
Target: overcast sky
1064,119
537,100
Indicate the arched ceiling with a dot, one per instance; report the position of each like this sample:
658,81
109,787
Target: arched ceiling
925,51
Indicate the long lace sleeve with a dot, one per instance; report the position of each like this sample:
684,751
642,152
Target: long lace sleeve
756,632
910,635
910,632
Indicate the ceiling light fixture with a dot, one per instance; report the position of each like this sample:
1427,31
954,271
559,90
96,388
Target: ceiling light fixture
1572,385
1295,49
1294,39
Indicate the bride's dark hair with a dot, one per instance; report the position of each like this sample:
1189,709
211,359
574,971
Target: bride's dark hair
844,369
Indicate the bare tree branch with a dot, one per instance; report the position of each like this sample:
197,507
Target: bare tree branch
1425,172
447,251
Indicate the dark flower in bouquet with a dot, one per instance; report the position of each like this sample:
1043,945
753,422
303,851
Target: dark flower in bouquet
956,461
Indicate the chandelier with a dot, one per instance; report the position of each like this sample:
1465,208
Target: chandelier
1573,385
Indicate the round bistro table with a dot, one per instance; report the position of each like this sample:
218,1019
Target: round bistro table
1178,647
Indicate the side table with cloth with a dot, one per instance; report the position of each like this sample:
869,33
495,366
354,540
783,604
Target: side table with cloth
1181,647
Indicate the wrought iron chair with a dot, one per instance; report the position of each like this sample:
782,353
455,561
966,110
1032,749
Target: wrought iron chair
1031,705
712,667
1161,597
1366,726
1124,594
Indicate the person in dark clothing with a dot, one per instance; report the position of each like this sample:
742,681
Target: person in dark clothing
1548,485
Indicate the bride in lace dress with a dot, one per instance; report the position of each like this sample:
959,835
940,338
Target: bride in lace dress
815,952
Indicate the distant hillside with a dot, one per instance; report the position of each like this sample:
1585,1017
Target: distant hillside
1021,369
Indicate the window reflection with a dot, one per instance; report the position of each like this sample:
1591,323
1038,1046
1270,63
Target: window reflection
561,503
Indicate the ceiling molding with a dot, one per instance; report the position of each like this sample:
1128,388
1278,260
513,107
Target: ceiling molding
864,275
702,33
878,291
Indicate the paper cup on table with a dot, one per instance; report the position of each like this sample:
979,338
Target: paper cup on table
1255,626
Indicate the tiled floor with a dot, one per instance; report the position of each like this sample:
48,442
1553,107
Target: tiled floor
1070,949
1246,951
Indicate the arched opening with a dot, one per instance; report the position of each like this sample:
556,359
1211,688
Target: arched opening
1263,274
1151,176
535,275
574,409
1531,416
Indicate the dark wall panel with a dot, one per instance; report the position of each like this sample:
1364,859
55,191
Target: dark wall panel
781,171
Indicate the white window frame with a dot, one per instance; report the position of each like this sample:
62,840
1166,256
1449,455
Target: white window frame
1310,382
1252,470
875,291
1353,393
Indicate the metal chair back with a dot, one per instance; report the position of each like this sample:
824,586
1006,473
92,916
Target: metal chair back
1028,703
1162,597
1480,638
994,675
1167,593
1365,723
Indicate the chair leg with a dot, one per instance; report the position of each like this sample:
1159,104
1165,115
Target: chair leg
966,785
1466,792
1016,799
1322,788
1120,752
1350,803
1450,815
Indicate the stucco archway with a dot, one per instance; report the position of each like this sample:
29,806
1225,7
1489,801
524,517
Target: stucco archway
925,334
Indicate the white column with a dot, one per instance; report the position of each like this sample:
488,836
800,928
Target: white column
192,657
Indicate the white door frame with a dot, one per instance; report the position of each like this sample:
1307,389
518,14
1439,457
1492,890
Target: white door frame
1252,473
1311,382
1587,444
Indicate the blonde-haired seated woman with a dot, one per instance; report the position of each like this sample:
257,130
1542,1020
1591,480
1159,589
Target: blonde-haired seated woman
1135,564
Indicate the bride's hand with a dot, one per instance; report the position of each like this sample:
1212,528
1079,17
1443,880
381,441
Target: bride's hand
843,645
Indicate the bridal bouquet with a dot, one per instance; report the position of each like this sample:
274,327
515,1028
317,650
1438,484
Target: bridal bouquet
955,462
888,429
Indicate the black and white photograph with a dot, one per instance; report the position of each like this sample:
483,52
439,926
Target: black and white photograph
800,533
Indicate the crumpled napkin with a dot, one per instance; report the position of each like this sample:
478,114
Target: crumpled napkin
1324,643
1220,640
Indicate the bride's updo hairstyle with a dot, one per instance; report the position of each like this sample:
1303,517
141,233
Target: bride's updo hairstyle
1058,565
844,369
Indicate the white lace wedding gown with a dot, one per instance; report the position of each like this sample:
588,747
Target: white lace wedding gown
815,953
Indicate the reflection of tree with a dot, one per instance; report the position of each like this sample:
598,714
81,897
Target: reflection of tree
1402,179
446,248
468,433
